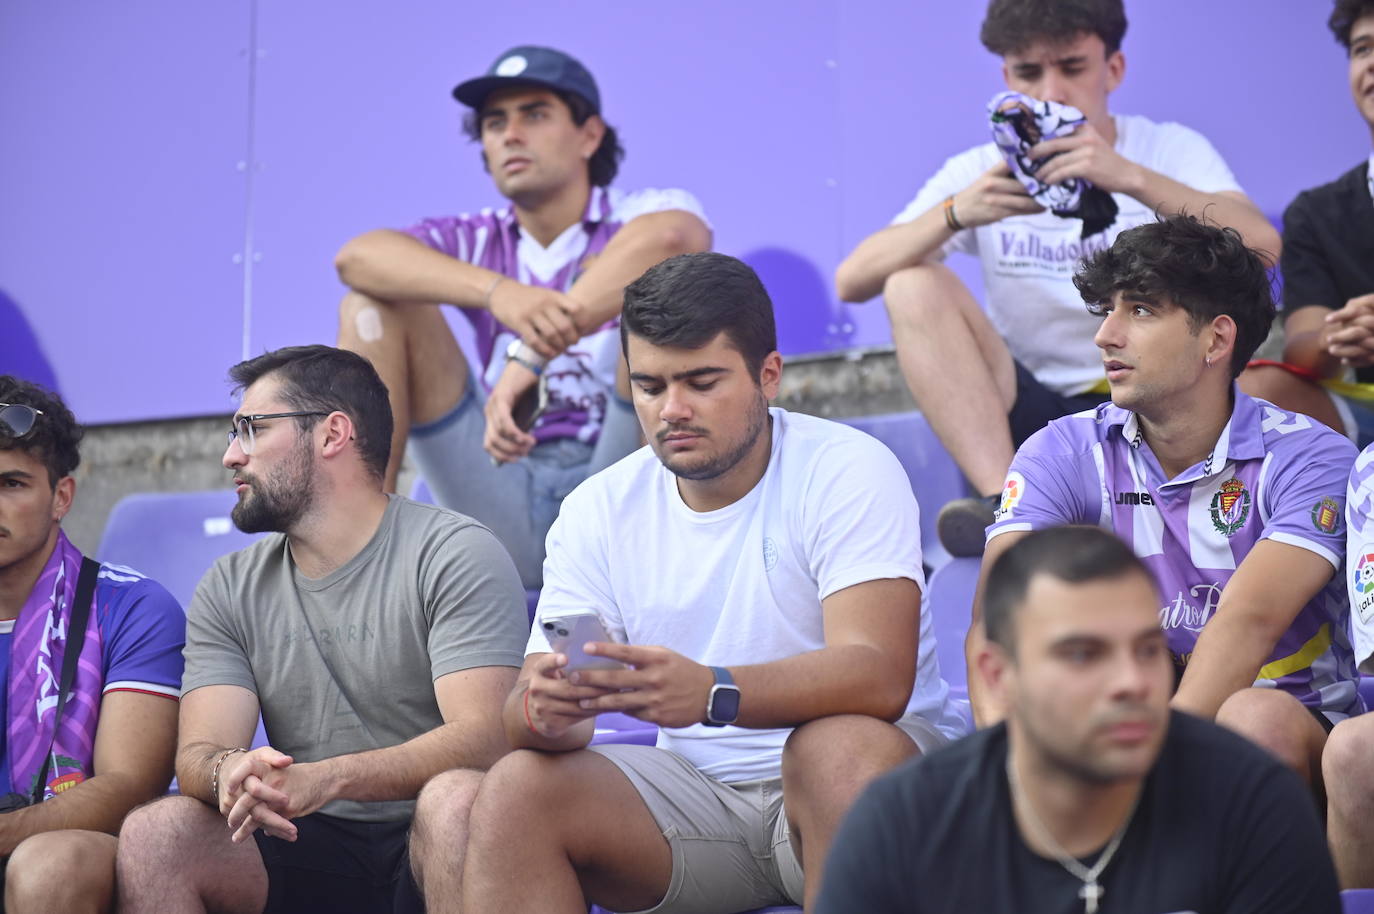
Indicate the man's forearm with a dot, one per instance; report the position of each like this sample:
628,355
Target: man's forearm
398,772
640,244
195,764
395,267
1305,350
985,710
838,679
1169,196
864,272
99,803
1226,658
520,736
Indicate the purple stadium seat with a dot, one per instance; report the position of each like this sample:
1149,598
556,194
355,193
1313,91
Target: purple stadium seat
613,727
934,477
950,592
1357,901
172,537
1367,691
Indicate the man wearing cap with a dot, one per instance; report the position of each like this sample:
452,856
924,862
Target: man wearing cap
540,281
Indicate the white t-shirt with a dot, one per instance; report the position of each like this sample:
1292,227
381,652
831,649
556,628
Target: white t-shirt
1029,261
743,584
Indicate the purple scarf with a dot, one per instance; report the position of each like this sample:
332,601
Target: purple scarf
40,636
1020,122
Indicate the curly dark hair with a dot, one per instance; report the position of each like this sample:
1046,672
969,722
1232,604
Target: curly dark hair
1014,25
604,163
1203,268
55,436
327,379
1344,16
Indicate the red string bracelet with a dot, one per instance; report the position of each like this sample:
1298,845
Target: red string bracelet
528,722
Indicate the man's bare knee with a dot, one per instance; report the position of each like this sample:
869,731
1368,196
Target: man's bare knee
165,833
1274,720
845,752
1346,770
69,871
439,828
363,317
914,291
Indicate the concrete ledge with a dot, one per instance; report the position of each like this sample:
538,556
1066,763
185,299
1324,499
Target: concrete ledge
180,455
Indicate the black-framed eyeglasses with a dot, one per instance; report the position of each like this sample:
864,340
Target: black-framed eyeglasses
242,429
17,419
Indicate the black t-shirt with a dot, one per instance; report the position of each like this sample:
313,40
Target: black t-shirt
1328,246
1221,828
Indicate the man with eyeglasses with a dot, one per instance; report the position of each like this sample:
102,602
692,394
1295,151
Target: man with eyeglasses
83,744
377,636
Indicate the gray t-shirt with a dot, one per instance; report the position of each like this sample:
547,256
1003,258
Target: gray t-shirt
432,593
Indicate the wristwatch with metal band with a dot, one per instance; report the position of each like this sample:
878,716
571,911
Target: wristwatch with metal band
722,703
517,351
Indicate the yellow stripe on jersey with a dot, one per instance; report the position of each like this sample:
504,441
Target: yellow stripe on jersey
1364,393
1300,659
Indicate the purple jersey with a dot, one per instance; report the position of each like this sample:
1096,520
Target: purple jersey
581,379
142,633
1272,475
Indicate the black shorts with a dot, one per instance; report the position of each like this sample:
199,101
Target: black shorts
339,865
1036,405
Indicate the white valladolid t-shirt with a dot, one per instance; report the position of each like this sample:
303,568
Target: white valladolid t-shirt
744,584
1029,261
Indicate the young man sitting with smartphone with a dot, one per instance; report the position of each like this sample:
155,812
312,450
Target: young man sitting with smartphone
760,575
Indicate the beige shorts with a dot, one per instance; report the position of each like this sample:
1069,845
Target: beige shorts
732,849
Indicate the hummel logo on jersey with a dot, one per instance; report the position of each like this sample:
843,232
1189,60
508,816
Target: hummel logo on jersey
1134,498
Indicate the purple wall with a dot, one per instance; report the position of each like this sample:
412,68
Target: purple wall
148,259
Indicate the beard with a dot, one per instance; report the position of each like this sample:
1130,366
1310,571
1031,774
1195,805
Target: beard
724,462
274,504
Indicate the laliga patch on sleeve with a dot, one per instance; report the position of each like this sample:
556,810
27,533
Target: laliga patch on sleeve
1362,582
1326,515
1013,490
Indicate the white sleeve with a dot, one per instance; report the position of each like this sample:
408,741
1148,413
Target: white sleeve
575,568
1188,157
627,206
1359,561
860,518
956,174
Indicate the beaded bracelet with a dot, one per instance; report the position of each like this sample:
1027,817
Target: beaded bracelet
214,775
951,218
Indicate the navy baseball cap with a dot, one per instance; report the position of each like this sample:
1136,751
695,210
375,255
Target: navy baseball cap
531,65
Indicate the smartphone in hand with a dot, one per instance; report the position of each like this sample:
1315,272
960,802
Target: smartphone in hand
569,630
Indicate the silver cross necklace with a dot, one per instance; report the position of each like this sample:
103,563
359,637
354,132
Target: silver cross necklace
1092,890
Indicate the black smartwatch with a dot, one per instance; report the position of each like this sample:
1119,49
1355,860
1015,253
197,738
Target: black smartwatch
722,703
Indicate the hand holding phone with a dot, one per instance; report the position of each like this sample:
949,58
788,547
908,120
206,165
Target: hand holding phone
569,630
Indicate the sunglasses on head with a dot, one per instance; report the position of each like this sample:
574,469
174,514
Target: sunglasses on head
17,419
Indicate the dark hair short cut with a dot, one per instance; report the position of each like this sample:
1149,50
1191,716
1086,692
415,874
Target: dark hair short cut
604,163
55,436
1011,26
1344,17
1075,555
1203,268
326,379
687,300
